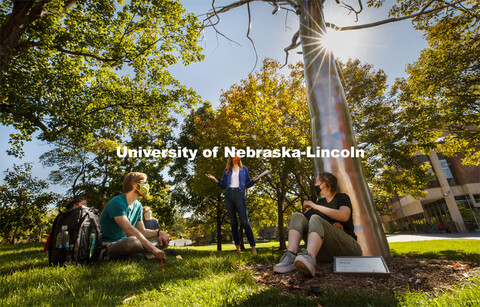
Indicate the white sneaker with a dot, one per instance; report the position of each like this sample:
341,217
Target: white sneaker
305,263
286,263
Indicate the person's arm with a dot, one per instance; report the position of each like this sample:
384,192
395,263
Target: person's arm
129,230
342,214
248,182
147,233
223,183
150,233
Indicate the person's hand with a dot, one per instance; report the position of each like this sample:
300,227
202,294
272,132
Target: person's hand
159,254
308,204
338,225
255,178
211,177
163,239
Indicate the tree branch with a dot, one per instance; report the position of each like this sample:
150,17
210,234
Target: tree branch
294,44
351,9
389,20
61,49
213,25
249,38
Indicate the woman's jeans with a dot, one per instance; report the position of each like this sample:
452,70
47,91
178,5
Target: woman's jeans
236,202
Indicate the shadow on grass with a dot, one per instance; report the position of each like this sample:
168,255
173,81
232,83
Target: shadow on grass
22,257
344,297
275,297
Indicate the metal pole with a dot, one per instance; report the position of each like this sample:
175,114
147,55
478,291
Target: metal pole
332,129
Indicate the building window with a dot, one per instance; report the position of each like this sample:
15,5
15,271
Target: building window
470,214
477,198
446,169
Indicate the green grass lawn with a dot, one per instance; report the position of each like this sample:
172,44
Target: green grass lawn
203,277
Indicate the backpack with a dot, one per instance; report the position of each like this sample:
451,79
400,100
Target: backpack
85,243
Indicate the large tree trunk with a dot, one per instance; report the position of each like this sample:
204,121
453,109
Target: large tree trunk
332,129
23,14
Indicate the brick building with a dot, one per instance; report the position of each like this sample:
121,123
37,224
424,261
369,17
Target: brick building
452,202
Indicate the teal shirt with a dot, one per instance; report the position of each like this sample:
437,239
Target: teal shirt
118,206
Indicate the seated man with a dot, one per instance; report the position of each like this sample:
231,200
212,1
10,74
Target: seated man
123,230
327,229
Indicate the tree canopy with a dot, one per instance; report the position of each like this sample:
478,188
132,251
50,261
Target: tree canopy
440,98
81,68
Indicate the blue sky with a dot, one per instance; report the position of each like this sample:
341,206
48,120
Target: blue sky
389,47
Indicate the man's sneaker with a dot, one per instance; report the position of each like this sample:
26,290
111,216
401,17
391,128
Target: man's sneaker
305,263
286,263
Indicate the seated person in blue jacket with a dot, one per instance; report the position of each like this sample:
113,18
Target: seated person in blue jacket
123,230
236,180
149,221
327,229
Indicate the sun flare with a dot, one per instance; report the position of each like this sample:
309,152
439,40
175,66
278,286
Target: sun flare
340,43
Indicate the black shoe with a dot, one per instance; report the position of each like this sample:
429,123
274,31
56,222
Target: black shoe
170,252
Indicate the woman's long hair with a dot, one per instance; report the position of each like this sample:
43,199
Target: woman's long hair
230,164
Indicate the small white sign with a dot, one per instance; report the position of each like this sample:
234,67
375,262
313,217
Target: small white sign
369,265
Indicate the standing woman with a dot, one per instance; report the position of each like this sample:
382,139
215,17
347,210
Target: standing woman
236,180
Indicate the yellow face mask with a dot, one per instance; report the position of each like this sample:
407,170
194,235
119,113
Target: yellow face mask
143,189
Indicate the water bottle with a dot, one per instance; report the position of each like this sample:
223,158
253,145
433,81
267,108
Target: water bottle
63,239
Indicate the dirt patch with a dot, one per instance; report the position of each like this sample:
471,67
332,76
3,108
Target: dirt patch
426,275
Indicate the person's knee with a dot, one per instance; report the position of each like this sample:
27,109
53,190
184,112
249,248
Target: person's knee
297,216
298,219
133,244
245,223
317,224
298,222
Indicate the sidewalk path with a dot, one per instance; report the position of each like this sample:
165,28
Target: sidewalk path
431,236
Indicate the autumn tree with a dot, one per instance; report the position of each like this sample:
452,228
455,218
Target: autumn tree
439,100
193,192
265,111
389,166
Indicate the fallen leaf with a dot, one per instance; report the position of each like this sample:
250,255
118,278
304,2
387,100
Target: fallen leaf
130,298
162,267
178,257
